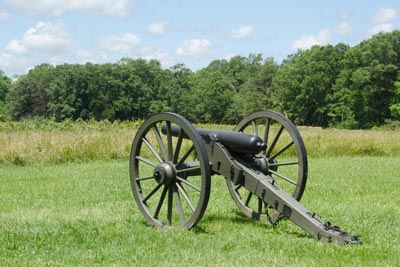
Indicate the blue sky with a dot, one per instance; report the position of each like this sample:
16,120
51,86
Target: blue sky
172,31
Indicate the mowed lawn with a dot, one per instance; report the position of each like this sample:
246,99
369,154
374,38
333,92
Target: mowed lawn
83,214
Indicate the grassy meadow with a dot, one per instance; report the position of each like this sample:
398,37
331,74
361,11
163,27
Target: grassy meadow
66,201
46,141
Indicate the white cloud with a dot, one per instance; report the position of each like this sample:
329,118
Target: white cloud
116,8
382,21
384,15
229,56
243,32
305,42
387,27
83,56
157,28
344,28
196,48
308,41
155,53
124,43
4,15
15,46
45,37
10,62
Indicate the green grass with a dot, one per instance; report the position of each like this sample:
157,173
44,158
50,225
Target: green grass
27,142
84,214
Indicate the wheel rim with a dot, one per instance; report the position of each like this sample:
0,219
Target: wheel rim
284,159
170,175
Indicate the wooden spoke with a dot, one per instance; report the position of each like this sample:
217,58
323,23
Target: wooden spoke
292,171
147,161
281,150
160,141
153,150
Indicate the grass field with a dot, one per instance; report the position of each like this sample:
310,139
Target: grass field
27,142
83,214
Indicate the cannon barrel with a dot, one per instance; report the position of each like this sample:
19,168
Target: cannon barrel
235,141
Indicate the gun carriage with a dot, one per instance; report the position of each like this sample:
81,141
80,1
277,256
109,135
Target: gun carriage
263,160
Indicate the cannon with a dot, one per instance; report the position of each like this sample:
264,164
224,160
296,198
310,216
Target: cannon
263,160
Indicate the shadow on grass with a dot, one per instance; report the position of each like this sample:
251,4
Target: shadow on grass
283,227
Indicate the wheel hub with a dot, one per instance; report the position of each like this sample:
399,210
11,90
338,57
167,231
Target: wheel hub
263,165
165,173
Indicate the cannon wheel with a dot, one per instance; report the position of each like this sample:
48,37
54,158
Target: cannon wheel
170,175
285,159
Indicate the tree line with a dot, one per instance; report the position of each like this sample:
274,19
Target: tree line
351,87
